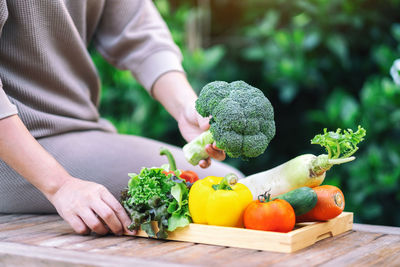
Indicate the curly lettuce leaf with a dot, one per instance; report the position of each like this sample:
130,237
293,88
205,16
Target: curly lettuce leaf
150,182
153,196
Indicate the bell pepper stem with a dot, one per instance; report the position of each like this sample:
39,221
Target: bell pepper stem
232,179
227,182
171,160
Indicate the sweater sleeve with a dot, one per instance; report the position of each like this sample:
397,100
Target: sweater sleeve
6,108
132,35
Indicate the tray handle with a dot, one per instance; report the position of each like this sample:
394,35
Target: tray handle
323,236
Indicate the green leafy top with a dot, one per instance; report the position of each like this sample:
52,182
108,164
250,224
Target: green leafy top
340,144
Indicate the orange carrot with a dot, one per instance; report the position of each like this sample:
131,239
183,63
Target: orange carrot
330,204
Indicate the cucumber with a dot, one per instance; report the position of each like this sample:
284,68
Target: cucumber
302,199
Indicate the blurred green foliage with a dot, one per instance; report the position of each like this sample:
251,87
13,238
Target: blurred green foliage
323,64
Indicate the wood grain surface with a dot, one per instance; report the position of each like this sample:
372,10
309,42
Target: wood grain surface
46,240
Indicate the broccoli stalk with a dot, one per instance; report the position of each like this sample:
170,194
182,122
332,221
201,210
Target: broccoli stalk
195,150
242,121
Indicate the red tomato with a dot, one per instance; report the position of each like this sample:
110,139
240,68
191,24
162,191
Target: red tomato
188,176
276,215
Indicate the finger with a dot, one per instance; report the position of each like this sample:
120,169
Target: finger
118,209
77,224
205,163
129,232
214,146
108,216
203,123
90,219
215,152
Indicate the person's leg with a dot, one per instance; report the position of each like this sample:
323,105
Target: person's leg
105,158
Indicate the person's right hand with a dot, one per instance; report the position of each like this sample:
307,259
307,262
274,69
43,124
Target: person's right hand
88,206
191,124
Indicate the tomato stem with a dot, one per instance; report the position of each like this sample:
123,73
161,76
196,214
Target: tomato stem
266,197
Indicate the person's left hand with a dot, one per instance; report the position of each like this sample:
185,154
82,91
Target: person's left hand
191,124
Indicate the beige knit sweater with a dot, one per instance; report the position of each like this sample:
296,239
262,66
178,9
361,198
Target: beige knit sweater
46,73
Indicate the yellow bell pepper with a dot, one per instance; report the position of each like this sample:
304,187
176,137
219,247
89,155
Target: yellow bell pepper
219,201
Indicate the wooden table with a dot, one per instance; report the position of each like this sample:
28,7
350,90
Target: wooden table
46,240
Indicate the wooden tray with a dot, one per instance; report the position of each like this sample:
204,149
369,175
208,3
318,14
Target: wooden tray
304,235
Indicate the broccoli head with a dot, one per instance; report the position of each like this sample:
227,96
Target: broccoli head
241,123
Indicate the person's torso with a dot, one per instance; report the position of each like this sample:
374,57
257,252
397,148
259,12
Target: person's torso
45,67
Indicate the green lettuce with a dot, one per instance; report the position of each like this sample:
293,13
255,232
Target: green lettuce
153,196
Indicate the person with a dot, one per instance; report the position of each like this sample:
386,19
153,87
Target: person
56,152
